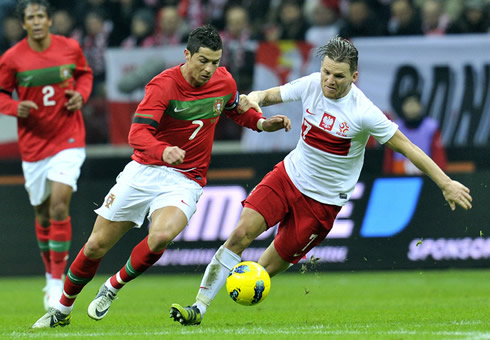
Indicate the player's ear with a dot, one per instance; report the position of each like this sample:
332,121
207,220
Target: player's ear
187,54
355,76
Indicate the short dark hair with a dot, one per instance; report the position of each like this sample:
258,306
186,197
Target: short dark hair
340,50
22,5
204,36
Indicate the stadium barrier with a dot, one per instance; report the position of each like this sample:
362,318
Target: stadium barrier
389,223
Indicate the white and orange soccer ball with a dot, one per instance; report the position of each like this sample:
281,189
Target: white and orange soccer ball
248,283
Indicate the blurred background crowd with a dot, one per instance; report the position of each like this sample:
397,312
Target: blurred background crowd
102,24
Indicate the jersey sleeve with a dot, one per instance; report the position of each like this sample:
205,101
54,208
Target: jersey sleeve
8,106
293,91
248,119
378,125
83,75
146,121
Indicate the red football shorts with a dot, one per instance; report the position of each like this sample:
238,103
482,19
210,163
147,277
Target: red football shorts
304,222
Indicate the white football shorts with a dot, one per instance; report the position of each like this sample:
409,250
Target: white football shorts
64,167
142,189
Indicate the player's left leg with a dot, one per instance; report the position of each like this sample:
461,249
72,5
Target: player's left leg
166,224
43,229
60,237
272,261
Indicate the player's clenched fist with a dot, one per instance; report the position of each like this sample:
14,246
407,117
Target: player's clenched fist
173,155
24,108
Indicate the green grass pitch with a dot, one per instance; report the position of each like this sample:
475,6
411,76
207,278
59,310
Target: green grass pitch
452,304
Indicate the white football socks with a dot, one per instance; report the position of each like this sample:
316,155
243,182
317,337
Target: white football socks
215,277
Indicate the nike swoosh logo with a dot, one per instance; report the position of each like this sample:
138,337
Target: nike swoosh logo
101,313
26,79
180,110
308,111
184,202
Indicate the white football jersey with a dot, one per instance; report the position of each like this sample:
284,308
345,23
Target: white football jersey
327,161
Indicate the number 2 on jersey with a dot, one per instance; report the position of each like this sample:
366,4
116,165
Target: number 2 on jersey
48,92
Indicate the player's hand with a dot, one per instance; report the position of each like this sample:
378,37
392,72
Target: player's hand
456,193
245,103
173,155
24,108
75,100
276,122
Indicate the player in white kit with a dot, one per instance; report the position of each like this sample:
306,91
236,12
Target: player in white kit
305,192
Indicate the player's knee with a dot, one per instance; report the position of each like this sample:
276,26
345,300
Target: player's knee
95,248
158,240
58,211
43,220
241,238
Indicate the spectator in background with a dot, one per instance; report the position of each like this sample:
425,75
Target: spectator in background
434,20
239,58
7,8
94,42
170,28
122,13
291,22
12,33
192,11
474,19
64,24
423,131
360,21
405,19
325,23
142,26
238,52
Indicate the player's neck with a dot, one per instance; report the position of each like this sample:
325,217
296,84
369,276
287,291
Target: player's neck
39,45
186,74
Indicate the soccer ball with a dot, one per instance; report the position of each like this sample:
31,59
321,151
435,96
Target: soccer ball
248,283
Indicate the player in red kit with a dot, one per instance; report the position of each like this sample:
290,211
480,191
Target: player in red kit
172,136
52,80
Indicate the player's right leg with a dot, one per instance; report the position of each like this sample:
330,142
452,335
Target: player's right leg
103,237
250,225
266,205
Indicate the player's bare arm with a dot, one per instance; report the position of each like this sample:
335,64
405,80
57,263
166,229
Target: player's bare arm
173,155
267,97
75,100
453,191
24,108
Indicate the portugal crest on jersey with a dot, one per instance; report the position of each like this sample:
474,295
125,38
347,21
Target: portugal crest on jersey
218,106
65,72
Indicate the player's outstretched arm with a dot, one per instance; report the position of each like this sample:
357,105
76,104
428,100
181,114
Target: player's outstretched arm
255,99
454,192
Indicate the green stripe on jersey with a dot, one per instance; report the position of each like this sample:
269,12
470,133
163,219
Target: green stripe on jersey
45,76
197,109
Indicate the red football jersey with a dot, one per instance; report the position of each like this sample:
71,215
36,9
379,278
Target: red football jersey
43,77
174,113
